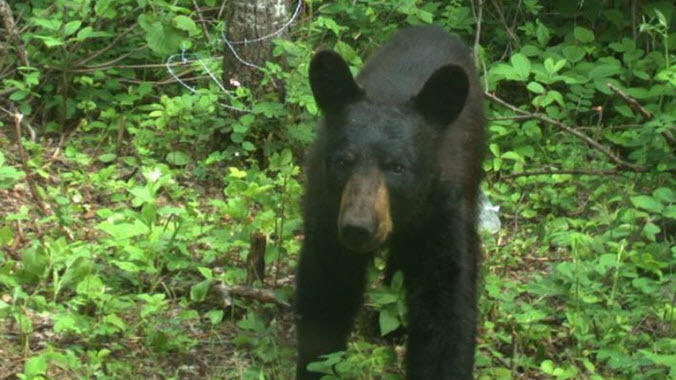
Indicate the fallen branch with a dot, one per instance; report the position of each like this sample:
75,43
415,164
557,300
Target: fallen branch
24,164
637,107
594,144
562,171
633,103
12,31
262,295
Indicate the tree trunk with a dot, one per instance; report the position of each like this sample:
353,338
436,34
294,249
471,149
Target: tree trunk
250,20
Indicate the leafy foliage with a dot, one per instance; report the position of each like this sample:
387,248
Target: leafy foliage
152,191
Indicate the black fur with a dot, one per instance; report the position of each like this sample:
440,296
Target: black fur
413,115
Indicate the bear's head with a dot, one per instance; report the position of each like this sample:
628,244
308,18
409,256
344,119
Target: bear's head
382,158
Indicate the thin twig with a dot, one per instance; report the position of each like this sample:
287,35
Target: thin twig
262,295
562,171
478,15
169,80
24,164
637,107
513,117
202,22
633,103
509,30
594,144
12,31
106,48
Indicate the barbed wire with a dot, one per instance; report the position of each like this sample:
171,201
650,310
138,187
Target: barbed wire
185,57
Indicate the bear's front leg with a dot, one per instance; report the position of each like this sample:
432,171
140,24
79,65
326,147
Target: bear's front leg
442,314
329,287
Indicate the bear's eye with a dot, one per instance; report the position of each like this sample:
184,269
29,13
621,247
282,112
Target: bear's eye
396,167
343,162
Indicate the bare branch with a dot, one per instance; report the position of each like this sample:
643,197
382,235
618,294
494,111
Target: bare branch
262,295
12,31
478,15
594,144
633,104
24,164
202,22
562,171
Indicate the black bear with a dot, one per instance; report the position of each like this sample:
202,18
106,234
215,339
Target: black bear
396,163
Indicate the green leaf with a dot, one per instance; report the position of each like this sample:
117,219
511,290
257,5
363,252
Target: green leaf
542,34
107,158
214,316
91,286
573,53
670,212
535,87
123,230
49,41
35,366
104,8
6,236
388,320
162,40
651,230
72,27
207,273
50,24
116,321
186,23
178,158
198,292
88,32
521,66
583,35
512,156
664,194
648,203
603,71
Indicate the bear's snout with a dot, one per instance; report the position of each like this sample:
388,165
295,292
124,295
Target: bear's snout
364,221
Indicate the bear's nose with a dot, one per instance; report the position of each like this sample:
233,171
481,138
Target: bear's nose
356,236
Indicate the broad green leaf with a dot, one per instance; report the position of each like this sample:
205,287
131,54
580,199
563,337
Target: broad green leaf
186,23
105,9
214,316
123,230
178,158
90,286
35,367
207,273
521,65
651,230
116,321
542,34
603,71
670,212
512,156
162,40
51,23
388,320
49,41
664,194
647,202
88,32
573,53
6,236
583,35
107,157
72,27
198,292
535,87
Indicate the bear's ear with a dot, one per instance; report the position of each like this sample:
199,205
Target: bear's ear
444,95
332,83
